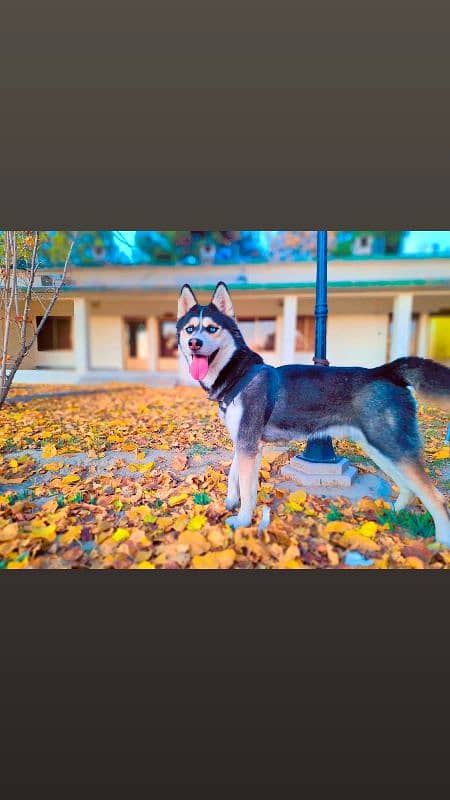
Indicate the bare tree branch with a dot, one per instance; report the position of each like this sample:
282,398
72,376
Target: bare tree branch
10,297
34,263
55,296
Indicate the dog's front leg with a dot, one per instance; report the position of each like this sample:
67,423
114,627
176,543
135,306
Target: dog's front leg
248,467
232,498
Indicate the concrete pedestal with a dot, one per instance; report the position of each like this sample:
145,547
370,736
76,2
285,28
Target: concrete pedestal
309,474
339,479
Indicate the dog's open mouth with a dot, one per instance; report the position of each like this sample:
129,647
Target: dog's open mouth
199,366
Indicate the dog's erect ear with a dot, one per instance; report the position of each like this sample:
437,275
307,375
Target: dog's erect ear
186,300
222,300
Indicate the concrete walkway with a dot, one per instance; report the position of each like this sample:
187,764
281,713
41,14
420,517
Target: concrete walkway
113,463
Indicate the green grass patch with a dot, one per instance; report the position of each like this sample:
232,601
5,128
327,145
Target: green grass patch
202,499
415,524
334,513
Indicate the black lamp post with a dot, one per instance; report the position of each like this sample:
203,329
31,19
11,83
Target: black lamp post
320,450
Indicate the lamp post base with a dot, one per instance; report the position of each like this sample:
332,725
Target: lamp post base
320,451
361,485
337,473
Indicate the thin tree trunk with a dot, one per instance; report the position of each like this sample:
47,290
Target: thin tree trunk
10,297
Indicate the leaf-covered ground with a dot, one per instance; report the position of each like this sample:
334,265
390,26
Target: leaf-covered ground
136,479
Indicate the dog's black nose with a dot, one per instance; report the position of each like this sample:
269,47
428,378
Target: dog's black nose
195,344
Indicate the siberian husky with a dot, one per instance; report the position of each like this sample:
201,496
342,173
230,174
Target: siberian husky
260,404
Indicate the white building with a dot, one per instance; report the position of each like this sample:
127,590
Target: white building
118,323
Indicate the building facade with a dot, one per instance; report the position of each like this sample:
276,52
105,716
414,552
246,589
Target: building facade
117,323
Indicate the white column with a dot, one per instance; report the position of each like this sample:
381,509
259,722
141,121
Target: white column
401,325
278,338
153,343
423,334
81,334
289,328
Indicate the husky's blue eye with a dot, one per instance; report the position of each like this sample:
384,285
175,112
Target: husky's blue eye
212,329
190,329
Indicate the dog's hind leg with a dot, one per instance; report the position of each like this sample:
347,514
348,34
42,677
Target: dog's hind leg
391,438
248,465
413,480
405,497
389,468
418,481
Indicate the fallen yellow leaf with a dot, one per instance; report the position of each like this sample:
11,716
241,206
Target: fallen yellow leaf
383,562
54,466
194,540
9,532
216,537
196,523
366,504
47,532
382,503
50,506
72,478
121,534
291,505
337,526
17,564
368,529
180,522
177,499
72,533
223,559
356,541
444,452
297,497
164,522
48,451
414,563
143,468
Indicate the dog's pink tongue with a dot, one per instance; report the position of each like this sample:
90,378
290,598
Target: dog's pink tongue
199,367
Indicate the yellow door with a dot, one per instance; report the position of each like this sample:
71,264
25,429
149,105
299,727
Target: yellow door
440,339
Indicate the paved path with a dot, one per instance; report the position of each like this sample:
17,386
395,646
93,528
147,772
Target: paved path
113,463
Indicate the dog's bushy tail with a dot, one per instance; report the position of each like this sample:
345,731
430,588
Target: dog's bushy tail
430,380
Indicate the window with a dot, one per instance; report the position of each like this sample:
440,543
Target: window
259,334
168,339
56,333
304,340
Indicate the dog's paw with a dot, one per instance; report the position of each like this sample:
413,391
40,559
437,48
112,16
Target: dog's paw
239,521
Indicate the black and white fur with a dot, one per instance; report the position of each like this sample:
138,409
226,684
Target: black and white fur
373,407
